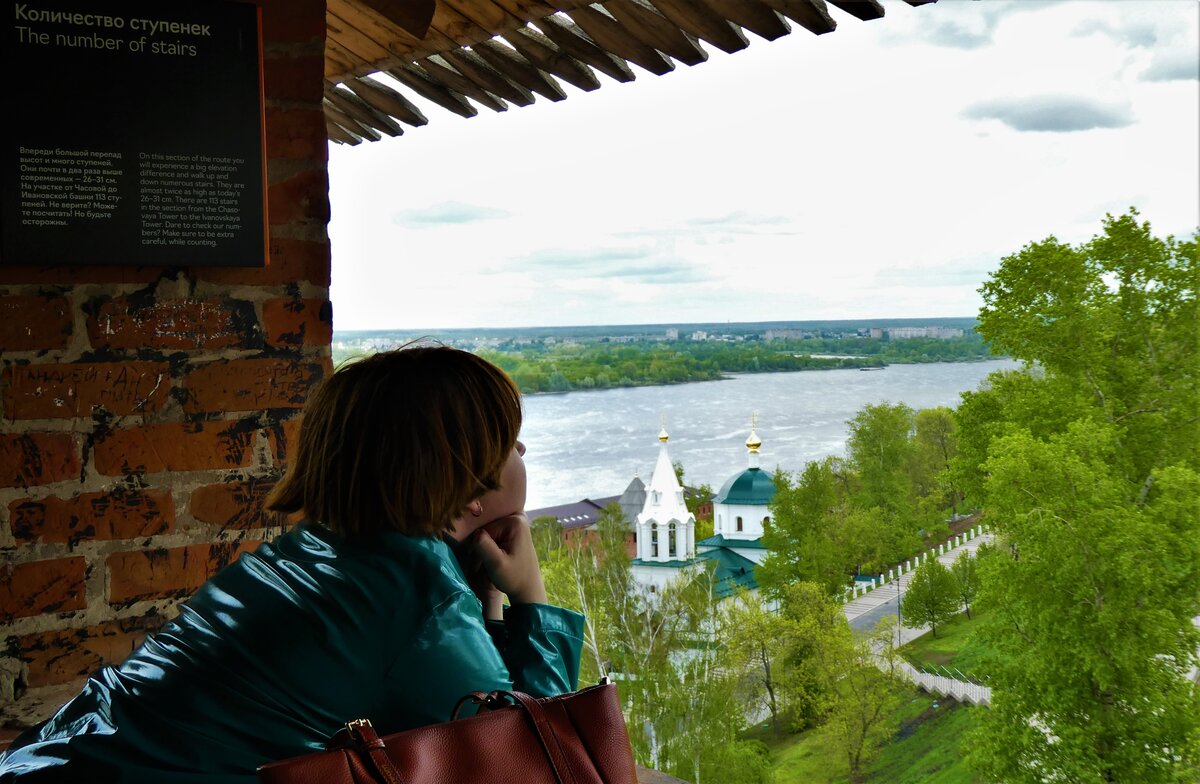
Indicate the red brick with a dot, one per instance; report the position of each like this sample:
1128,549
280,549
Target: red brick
64,655
291,261
175,446
297,134
28,459
301,198
287,78
249,385
70,391
172,324
235,504
168,573
35,323
38,587
298,322
293,21
123,513
284,437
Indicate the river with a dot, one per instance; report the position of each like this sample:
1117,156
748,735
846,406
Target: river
590,444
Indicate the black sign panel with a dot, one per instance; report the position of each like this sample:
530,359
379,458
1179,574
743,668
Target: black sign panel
134,134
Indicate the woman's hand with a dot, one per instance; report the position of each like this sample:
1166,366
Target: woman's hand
505,548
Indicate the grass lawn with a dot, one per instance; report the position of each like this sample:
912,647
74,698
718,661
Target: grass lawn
951,648
924,750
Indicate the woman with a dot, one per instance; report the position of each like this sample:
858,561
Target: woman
361,610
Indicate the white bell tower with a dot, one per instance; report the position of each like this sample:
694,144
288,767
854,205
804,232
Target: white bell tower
666,530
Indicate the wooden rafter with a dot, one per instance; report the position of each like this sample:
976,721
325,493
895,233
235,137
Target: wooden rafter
493,53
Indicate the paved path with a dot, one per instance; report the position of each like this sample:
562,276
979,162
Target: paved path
867,610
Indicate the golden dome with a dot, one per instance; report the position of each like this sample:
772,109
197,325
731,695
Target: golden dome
753,442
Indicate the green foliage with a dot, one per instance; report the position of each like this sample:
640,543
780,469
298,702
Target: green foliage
924,749
1094,609
814,533
958,646
881,449
547,536
931,598
863,514
966,579
1087,463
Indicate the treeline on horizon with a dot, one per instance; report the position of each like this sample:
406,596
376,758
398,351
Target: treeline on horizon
578,367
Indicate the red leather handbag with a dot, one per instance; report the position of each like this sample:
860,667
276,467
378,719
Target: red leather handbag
576,738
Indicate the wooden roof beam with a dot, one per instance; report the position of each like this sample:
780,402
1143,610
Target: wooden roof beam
757,17
865,10
611,35
477,70
339,134
812,15
540,50
412,16
399,42
386,100
349,123
697,19
654,29
517,69
575,42
423,84
441,69
362,112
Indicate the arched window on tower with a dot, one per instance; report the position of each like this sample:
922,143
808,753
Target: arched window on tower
671,549
766,519
739,522
654,540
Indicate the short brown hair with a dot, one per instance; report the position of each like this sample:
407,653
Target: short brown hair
401,440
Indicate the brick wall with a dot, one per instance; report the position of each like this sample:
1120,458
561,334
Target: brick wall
147,411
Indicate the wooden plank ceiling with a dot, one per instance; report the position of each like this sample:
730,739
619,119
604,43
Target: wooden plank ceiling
497,53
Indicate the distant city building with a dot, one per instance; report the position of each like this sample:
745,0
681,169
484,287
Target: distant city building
672,334
699,335
937,333
877,333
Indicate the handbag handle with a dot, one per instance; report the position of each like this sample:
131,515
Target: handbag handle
369,745
367,742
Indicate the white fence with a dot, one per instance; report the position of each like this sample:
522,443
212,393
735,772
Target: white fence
858,589
963,691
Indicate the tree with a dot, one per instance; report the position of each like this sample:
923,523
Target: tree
931,597
966,579
547,535
855,681
801,536
880,448
1088,463
936,444
760,644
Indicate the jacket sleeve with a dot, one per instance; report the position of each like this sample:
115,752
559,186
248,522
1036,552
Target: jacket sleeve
454,653
541,646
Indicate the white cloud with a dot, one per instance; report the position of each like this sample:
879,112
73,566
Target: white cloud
809,177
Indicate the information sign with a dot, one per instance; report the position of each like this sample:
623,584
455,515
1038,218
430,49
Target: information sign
135,134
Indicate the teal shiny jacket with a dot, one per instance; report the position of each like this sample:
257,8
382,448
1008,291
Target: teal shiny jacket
279,650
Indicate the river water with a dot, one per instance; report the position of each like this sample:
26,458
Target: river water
590,444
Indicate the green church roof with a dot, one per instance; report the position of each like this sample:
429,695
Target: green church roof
733,571
753,486
720,540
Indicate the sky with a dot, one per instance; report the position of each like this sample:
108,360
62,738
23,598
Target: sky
879,171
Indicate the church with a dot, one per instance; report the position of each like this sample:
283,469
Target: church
665,531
